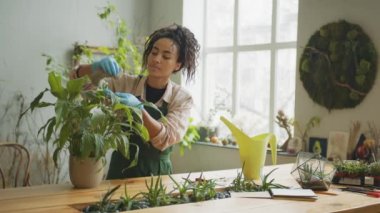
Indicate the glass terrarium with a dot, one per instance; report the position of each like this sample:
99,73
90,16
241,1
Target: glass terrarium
312,171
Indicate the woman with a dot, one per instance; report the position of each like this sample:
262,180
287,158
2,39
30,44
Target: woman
167,51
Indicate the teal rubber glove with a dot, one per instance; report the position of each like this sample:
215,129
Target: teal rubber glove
129,100
108,65
108,92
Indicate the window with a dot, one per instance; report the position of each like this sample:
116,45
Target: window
248,61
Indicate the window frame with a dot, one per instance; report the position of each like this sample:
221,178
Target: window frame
273,47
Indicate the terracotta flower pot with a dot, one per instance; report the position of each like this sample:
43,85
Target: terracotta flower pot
85,173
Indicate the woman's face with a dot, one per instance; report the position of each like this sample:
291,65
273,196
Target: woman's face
162,59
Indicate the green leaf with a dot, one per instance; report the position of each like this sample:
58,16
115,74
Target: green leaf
143,131
55,82
105,50
364,66
352,34
50,128
354,96
134,161
123,146
56,153
98,145
61,108
75,86
64,134
360,79
86,145
305,66
44,104
44,126
37,100
107,197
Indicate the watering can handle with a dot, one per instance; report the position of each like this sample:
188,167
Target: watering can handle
273,147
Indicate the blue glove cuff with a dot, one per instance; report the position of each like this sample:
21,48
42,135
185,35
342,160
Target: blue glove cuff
108,65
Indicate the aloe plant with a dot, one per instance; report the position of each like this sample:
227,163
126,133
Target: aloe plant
156,195
128,202
240,184
106,204
182,188
203,190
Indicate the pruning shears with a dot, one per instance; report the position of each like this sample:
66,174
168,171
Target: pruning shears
363,190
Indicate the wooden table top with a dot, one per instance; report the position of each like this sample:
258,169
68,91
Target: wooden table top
65,198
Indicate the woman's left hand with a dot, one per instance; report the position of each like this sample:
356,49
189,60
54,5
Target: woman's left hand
129,100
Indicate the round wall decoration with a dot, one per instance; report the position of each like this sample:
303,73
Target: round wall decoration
338,65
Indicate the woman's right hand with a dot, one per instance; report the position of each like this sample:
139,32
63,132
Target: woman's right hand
73,74
107,65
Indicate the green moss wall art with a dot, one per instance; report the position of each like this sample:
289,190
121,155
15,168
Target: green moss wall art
338,66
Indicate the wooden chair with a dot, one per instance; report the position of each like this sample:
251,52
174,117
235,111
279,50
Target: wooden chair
18,160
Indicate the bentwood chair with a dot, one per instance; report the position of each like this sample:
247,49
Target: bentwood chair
15,164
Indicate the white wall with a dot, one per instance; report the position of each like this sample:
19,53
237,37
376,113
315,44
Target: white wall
30,28
312,15
165,13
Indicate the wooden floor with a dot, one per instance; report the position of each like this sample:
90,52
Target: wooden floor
64,198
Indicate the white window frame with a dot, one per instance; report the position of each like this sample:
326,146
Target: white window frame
273,47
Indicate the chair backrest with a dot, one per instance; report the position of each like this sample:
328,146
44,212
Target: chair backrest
15,164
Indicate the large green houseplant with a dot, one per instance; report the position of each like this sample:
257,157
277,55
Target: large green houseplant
87,123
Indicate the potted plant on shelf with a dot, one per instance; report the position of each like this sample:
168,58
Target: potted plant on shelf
374,171
87,123
350,172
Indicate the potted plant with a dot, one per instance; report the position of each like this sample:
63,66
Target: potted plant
312,171
350,172
374,171
87,123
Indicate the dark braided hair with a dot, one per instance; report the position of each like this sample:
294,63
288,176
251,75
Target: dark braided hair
186,43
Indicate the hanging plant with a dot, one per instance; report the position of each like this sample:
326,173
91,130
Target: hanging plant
338,65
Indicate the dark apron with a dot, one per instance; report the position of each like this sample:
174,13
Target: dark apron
151,161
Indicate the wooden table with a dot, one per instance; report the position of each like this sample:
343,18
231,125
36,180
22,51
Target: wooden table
64,198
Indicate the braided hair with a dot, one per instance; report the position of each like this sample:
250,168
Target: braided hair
187,44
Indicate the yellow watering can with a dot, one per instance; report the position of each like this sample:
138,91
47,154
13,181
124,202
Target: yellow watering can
252,150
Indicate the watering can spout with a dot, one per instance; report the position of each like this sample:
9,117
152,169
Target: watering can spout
238,134
252,149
